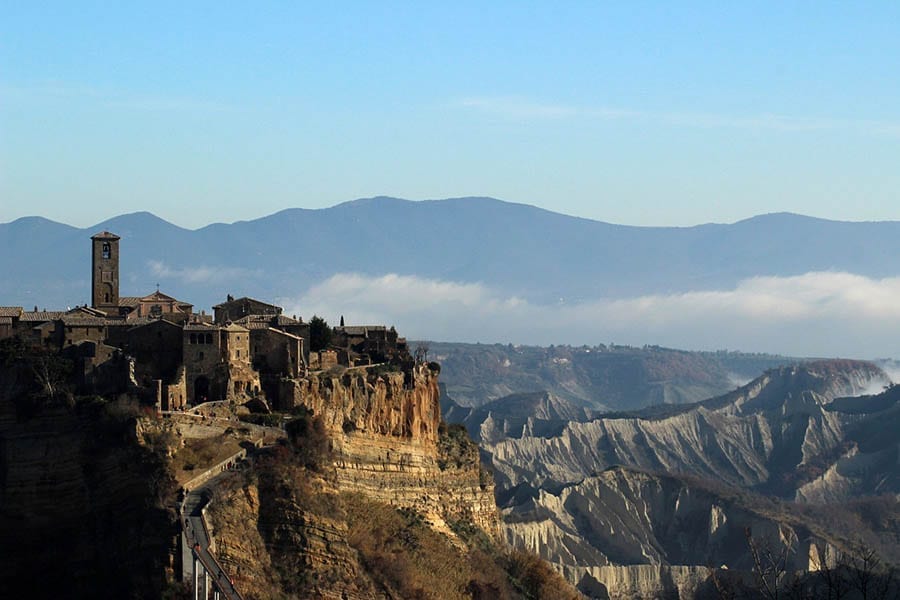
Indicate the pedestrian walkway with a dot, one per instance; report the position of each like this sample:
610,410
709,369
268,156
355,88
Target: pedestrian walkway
208,576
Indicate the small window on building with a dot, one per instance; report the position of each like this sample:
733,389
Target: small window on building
106,297
106,250
200,355
209,338
193,338
238,353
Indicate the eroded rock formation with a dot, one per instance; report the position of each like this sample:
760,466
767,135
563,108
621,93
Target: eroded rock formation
590,495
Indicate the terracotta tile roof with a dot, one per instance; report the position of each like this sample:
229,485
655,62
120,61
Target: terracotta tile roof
158,296
129,300
284,333
283,320
41,315
139,321
243,300
360,329
10,311
266,320
86,310
105,235
194,326
83,321
5,320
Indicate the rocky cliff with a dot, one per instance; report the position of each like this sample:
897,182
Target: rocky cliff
83,503
757,436
368,494
590,495
393,507
635,534
388,442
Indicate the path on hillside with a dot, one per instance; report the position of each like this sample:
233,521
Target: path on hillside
197,535
197,497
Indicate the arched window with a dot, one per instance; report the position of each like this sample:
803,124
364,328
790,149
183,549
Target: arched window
209,338
106,250
193,338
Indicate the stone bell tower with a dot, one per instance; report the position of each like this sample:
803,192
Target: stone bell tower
105,273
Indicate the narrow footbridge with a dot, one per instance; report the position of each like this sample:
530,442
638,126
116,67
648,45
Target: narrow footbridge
208,577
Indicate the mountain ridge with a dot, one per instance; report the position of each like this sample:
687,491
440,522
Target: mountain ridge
518,250
636,499
397,201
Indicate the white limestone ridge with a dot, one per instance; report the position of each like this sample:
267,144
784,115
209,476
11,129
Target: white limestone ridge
618,502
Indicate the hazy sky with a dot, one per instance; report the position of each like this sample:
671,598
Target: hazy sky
629,112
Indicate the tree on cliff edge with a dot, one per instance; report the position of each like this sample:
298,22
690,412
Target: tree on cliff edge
319,333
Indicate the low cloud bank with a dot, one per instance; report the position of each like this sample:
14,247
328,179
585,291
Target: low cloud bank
816,314
198,274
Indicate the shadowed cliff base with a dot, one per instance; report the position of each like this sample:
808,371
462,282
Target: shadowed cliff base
286,530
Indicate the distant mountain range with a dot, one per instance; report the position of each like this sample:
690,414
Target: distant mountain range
522,250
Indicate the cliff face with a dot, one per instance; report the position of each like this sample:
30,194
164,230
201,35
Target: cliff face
81,502
757,436
587,495
638,534
386,437
285,529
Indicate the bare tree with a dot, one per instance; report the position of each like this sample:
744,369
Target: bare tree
869,575
770,563
832,576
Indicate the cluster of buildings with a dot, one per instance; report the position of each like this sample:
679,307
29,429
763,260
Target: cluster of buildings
158,346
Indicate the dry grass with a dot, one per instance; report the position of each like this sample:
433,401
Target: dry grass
200,454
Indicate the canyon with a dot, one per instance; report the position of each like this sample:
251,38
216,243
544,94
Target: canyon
648,501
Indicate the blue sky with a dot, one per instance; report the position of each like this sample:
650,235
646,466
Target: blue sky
628,112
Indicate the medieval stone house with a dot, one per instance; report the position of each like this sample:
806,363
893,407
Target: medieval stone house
156,345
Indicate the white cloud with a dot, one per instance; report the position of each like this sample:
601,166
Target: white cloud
199,274
816,314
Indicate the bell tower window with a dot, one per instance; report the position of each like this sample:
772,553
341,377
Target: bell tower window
106,250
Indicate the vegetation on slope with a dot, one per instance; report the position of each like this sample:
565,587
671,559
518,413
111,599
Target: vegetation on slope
321,543
604,377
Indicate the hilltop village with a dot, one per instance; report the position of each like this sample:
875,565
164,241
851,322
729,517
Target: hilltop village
158,349
188,492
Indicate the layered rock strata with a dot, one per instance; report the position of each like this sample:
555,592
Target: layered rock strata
385,431
588,495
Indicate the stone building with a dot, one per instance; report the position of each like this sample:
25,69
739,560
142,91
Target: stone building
368,344
232,310
216,361
105,272
156,347
155,305
293,326
9,317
